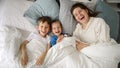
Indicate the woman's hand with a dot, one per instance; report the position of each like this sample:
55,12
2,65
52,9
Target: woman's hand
24,59
80,45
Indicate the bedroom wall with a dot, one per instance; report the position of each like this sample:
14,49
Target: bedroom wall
119,31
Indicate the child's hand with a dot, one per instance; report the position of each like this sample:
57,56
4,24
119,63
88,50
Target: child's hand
39,61
24,59
60,38
41,58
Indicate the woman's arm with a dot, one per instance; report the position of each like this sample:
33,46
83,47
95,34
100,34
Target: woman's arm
102,31
79,44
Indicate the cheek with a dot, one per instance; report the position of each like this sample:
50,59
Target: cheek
53,30
39,28
77,19
47,29
60,29
85,13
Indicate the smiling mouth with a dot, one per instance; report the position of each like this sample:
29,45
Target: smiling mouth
57,32
82,18
42,32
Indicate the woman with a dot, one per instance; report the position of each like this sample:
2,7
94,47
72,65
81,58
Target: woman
90,29
94,39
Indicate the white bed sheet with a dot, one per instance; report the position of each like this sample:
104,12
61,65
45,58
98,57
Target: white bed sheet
11,13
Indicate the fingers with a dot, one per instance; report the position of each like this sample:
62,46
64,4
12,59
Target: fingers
24,60
60,38
39,61
78,45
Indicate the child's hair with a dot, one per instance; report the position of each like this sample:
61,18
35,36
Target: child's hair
44,19
90,12
57,21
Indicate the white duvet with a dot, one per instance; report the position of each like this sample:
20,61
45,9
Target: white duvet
62,55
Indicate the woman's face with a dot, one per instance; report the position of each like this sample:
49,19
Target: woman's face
81,15
56,29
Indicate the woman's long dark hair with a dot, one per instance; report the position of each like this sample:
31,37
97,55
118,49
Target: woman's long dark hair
90,12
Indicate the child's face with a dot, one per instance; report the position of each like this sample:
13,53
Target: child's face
43,28
56,28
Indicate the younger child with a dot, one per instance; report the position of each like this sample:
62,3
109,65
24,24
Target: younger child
43,27
57,32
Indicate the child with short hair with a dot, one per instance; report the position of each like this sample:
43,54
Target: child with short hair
43,26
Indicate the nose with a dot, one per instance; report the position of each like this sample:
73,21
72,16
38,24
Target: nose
56,29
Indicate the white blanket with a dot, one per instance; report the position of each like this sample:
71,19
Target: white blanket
55,54
65,55
62,55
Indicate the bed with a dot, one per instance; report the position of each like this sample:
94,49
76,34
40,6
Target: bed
18,19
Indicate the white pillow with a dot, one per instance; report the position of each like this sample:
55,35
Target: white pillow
10,40
66,17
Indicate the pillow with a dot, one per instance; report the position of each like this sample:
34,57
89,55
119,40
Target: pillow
10,40
110,16
66,17
42,8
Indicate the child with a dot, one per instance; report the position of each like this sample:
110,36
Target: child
57,32
43,27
